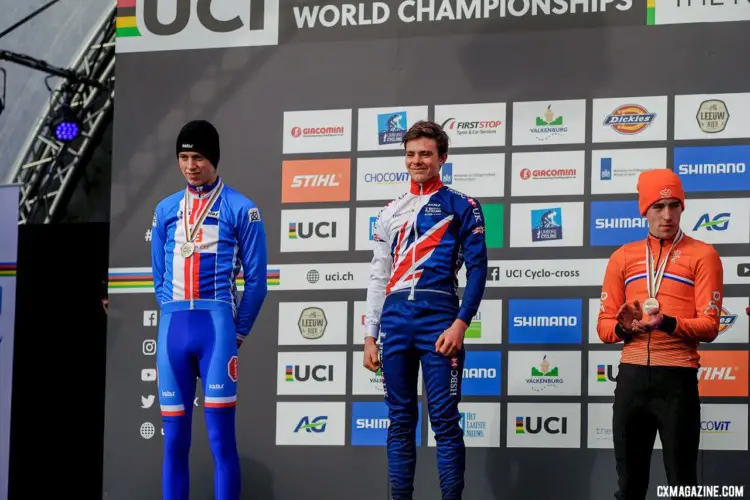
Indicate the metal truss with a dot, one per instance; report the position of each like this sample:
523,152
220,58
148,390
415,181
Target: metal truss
47,168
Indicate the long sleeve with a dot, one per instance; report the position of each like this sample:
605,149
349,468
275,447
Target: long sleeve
612,298
474,247
709,297
251,238
158,254
380,267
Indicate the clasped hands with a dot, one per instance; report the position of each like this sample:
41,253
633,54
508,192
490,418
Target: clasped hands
631,318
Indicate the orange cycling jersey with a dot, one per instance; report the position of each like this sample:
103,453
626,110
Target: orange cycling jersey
690,296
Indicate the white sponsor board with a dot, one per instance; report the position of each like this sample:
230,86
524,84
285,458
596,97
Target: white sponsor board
616,171
317,131
310,423
473,125
629,119
541,123
312,323
548,173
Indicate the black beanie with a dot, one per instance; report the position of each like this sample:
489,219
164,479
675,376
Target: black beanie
201,137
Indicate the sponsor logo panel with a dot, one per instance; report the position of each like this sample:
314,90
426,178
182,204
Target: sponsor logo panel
736,270
546,224
723,373
310,424
544,321
544,425
711,116
599,432
473,125
358,327
323,230
383,128
594,308
548,173
713,168
479,175
366,218
543,373
616,171
480,423
629,119
676,12
312,323
381,178
370,424
304,181
482,373
545,273
718,221
365,382
540,123
487,325
308,373
150,26
734,327
602,372
614,223
318,131
347,275
723,427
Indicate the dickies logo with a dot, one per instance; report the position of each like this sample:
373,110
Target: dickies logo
629,119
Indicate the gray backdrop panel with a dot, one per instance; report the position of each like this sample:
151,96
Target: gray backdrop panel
245,92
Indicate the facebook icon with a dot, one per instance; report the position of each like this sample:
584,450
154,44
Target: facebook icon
149,318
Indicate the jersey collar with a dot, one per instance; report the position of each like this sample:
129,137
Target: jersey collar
428,187
203,189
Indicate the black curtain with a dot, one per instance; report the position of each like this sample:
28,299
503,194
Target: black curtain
57,417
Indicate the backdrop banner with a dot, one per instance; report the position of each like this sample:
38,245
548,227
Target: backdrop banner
8,258
553,108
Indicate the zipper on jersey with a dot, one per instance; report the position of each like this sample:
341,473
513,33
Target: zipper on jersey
414,245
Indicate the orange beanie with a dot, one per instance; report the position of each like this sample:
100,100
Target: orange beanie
658,184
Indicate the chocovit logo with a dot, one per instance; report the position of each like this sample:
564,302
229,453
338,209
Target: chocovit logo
629,119
327,131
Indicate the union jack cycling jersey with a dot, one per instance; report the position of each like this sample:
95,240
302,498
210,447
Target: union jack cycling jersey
231,238
421,240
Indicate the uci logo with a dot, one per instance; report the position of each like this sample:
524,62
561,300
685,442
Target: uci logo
156,25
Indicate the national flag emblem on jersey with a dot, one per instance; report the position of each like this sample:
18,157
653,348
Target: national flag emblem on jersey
407,252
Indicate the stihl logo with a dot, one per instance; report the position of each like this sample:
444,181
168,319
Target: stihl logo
316,180
305,181
717,373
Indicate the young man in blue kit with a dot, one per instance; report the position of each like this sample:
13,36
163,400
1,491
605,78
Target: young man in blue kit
421,241
202,236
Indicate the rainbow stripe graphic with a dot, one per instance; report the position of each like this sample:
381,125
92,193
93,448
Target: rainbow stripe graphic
519,426
292,230
7,268
273,277
126,23
130,280
289,373
650,12
601,375
140,280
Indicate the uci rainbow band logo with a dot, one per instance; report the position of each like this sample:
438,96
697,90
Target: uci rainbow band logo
629,119
126,23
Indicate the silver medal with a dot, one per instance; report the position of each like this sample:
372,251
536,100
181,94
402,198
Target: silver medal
187,249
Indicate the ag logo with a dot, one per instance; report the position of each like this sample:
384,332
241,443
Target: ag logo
312,323
719,222
712,116
156,25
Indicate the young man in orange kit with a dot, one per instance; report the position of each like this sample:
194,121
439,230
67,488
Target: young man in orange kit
661,297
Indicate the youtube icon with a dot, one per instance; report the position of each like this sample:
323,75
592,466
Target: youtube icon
743,269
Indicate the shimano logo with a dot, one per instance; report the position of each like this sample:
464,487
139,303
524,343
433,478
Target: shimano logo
544,321
712,168
480,373
621,222
372,423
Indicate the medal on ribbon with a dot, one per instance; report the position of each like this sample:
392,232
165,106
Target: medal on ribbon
654,276
188,248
